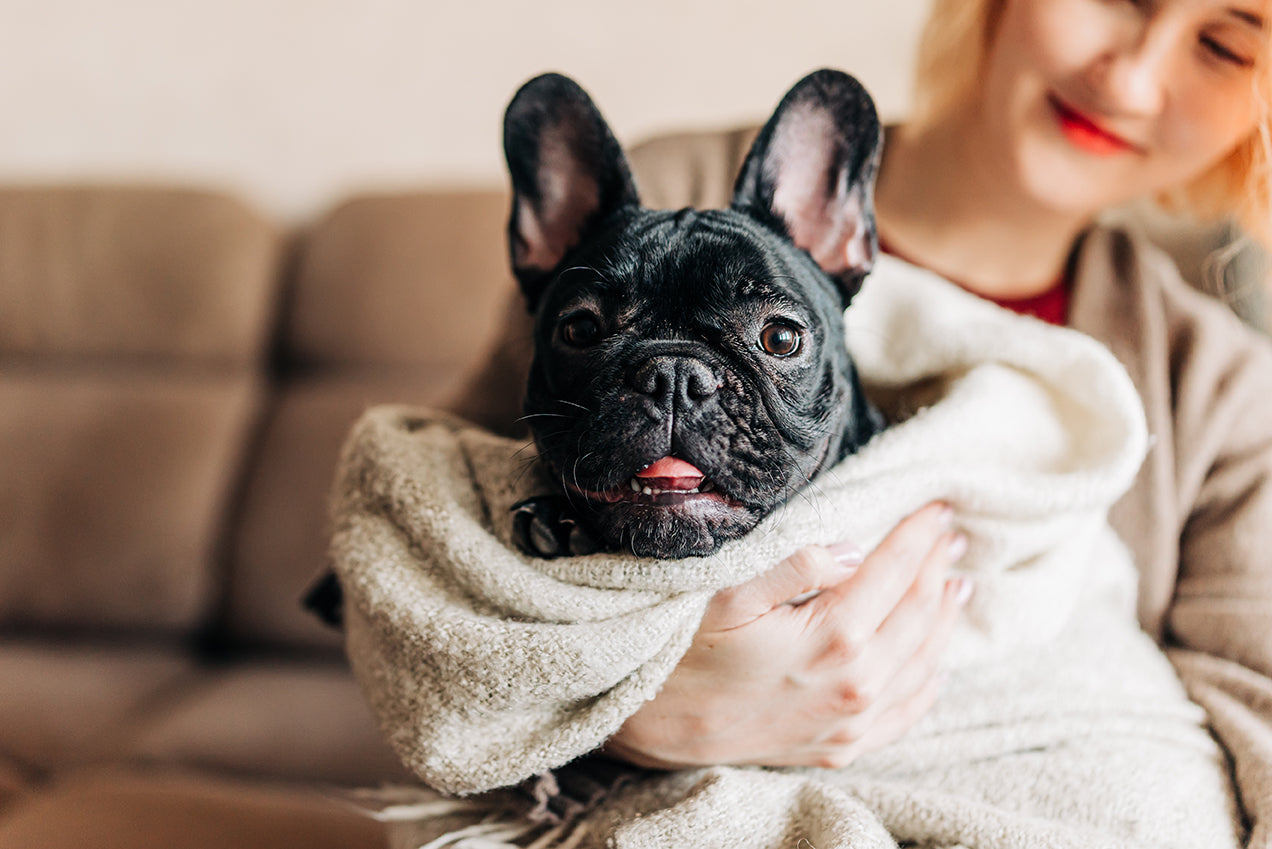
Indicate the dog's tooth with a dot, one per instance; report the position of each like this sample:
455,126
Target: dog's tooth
694,490
635,485
647,491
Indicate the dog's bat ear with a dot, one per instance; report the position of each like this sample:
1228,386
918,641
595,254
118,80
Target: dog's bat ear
810,175
568,173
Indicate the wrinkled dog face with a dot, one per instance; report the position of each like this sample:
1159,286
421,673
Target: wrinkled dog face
690,372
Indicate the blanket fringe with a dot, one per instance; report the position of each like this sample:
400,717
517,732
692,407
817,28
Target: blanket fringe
510,835
505,834
492,835
496,827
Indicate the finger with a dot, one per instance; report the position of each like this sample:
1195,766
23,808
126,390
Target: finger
909,696
808,570
906,701
906,627
890,725
854,737
860,604
865,697
923,665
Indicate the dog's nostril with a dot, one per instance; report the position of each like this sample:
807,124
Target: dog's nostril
653,377
698,380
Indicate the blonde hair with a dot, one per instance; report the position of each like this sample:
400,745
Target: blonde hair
953,50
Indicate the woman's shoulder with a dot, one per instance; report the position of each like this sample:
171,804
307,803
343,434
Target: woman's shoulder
1121,263
1205,375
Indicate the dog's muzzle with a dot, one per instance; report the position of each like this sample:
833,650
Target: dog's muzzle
672,384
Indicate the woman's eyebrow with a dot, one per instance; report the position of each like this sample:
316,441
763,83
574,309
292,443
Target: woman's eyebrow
1246,16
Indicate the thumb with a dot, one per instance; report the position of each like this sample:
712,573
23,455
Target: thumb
795,579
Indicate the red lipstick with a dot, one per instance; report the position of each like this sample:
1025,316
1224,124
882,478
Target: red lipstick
1085,134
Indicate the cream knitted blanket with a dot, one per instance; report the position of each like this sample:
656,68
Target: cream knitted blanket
1061,724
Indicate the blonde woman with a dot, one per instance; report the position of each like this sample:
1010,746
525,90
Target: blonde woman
1033,118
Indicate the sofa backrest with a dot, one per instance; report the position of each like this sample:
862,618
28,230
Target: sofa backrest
132,322
174,392
393,300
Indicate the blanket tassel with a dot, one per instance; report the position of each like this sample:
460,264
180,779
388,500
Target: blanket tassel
496,830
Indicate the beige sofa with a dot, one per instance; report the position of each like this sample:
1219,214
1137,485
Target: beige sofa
176,375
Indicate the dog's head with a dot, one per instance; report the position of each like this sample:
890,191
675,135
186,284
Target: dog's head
690,372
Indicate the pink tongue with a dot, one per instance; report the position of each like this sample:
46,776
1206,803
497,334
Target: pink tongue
671,473
670,467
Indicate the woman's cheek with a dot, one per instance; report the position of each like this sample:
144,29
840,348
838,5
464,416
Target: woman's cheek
1201,136
1061,37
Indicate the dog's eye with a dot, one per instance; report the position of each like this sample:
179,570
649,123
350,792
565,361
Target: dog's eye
580,331
780,340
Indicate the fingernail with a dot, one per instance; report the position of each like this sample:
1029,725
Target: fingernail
803,597
958,546
847,553
945,516
962,587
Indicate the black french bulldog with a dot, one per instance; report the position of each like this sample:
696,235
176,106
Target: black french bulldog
690,372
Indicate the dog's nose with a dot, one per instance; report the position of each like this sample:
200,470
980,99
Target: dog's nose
683,379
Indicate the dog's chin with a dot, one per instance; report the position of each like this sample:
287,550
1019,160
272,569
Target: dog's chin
668,525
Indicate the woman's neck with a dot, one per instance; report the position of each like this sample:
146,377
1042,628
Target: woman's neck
942,203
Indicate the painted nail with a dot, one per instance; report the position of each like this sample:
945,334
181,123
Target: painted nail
847,553
962,587
945,516
958,546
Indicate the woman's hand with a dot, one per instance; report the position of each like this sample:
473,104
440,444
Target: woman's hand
775,680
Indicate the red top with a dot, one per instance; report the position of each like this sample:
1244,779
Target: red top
1050,305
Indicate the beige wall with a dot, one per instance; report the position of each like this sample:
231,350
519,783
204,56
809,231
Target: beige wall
295,102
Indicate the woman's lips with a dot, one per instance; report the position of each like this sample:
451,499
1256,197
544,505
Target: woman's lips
1085,134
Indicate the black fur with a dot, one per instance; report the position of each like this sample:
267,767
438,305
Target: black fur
648,323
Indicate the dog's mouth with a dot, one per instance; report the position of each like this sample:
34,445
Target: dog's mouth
665,482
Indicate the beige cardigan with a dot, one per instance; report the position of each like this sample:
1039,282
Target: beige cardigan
1199,517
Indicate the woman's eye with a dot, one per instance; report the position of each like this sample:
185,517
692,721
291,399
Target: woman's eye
1220,51
780,340
580,331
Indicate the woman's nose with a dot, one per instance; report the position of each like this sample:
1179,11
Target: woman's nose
1131,76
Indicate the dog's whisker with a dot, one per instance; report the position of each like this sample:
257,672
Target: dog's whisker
526,466
575,470
805,490
529,416
543,439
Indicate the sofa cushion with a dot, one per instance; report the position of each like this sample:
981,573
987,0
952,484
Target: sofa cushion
401,279
394,300
14,781
115,487
126,810
94,271
280,720
280,542
67,704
